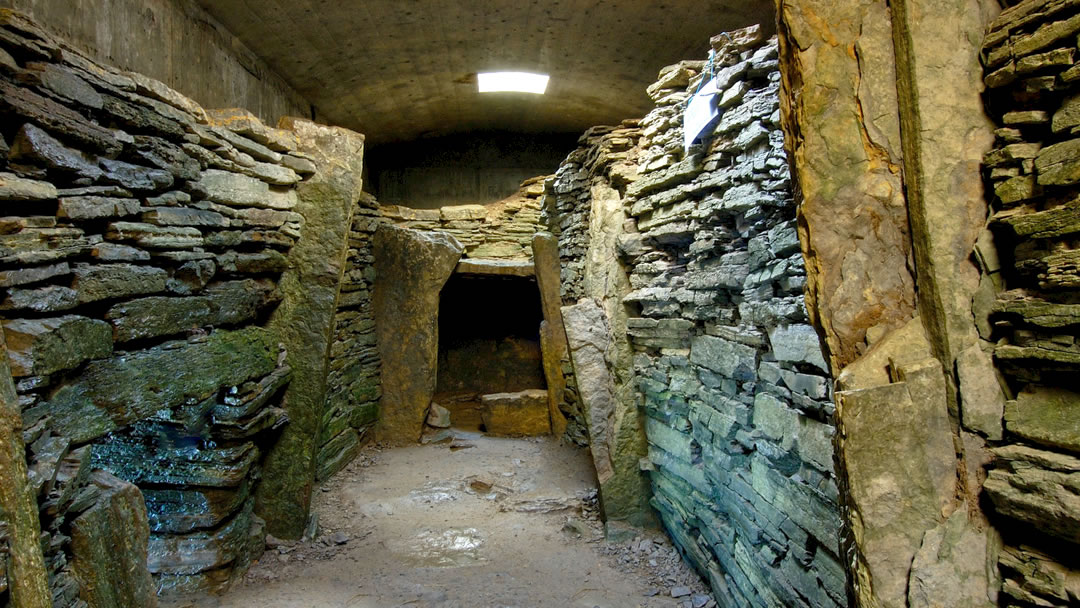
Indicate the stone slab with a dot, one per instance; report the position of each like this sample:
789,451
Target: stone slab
411,268
497,267
520,414
38,347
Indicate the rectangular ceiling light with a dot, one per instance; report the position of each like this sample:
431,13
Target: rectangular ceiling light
512,82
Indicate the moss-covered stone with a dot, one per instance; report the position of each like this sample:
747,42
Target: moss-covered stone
364,415
109,548
304,321
38,347
114,392
1047,416
107,281
337,453
222,304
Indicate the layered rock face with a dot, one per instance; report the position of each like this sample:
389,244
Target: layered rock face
730,377
141,254
1031,307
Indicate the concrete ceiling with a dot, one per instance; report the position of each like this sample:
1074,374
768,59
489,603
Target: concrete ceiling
397,70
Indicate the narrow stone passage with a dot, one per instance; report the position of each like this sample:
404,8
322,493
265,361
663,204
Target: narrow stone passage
477,522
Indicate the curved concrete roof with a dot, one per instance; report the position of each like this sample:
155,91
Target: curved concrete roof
397,70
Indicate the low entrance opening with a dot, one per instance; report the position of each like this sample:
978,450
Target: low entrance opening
490,370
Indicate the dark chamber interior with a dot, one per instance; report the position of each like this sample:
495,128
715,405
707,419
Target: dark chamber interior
489,339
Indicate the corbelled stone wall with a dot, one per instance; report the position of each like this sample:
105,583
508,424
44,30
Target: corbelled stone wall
142,250
1029,313
732,381
607,156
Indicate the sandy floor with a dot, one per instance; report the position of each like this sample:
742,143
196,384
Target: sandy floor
504,523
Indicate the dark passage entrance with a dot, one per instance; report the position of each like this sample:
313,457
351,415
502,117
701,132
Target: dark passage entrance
489,342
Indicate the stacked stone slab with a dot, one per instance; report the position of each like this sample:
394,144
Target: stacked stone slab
141,244
731,376
501,230
353,389
733,379
1030,311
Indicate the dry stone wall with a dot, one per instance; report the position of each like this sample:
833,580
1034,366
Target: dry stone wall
1029,314
730,375
141,246
352,400
501,230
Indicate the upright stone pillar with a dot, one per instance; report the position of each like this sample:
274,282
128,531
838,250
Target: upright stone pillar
552,332
839,110
305,318
885,129
27,578
411,268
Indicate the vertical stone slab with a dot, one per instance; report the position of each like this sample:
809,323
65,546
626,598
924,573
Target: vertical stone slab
839,113
897,462
305,318
945,134
411,268
553,345
588,338
27,578
607,281
109,548
613,435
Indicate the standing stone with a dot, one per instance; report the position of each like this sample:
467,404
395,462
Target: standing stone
28,584
411,268
896,452
305,318
839,93
587,334
109,548
945,133
552,332
950,567
606,280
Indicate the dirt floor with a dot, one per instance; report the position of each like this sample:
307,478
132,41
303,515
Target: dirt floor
474,523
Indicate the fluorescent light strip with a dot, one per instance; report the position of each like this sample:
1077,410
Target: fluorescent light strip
512,82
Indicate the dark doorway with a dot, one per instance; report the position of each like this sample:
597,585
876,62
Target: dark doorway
489,342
